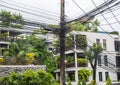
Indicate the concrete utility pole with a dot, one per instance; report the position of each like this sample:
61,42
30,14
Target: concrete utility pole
62,43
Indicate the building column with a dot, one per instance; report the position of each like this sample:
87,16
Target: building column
57,77
76,76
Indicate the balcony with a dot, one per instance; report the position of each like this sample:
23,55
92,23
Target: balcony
82,62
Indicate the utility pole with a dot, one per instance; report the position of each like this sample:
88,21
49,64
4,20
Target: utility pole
62,43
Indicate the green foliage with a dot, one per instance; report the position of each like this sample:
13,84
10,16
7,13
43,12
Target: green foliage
93,51
30,44
79,83
83,74
86,26
5,17
8,19
92,55
92,83
94,26
69,82
15,50
81,41
16,26
84,82
42,31
4,36
108,82
77,26
82,60
29,77
96,48
69,42
54,26
115,32
70,59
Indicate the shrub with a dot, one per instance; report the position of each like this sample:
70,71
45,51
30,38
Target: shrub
108,82
1,61
69,82
29,77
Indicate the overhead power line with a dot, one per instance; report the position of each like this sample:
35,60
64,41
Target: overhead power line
49,18
103,15
37,11
91,14
56,14
113,15
79,6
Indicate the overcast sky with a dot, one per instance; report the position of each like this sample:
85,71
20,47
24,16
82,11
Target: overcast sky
71,9
48,11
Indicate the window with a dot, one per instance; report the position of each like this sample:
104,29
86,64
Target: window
97,41
117,45
117,60
99,60
100,76
106,75
71,75
105,60
104,44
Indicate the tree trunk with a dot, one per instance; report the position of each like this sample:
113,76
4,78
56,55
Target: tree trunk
94,74
17,61
94,69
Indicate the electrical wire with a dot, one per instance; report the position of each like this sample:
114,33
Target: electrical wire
95,11
90,41
37,11
103,15
110,62
113,15
78,6
29,12
56,14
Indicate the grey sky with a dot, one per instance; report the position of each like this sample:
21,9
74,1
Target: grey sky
52,7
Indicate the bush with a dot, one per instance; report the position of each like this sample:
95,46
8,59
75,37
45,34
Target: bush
108,82
69,82
29,77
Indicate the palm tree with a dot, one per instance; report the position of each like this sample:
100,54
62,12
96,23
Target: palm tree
16,51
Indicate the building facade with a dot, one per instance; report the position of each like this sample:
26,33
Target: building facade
108,62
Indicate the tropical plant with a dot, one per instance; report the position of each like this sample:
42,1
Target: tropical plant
108,82
79,83
86,26
81,41
92,82
92,55
82,60
12,20
5,18
83,74
69,82
16,51
28,77
40,50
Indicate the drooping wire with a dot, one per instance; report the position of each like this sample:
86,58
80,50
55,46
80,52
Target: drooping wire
49,18
103,16
113,15
95,11
79,6
22,4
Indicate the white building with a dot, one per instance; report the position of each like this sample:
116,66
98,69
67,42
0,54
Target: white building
108,61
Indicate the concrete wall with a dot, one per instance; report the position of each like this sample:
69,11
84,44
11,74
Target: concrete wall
7,69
